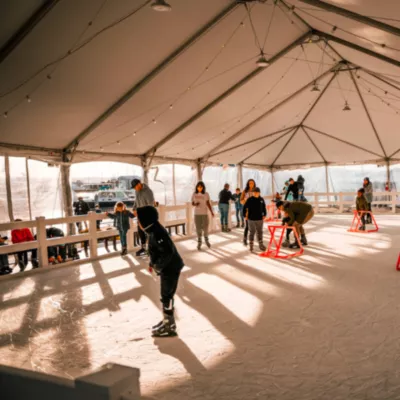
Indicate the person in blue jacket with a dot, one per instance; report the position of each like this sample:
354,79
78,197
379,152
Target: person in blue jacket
121,217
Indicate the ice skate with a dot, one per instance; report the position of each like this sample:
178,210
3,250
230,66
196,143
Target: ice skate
286,243
242,226
262,246
141,252
208,244
237,225
165,328
304,240
124,251
60,259
245,241
199,245
251,247
295,245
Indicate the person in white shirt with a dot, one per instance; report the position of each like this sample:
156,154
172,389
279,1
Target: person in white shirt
201,203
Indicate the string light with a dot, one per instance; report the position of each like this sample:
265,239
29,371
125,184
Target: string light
48,77
161,6
118,142
315,88
334,28
28,99
154,121
171,106
346,107
5,115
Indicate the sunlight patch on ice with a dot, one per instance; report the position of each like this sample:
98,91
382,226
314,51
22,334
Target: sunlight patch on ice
91,293
242,304
123,283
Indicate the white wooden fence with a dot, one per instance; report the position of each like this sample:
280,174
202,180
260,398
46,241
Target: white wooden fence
337,201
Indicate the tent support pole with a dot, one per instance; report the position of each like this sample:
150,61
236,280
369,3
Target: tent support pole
28,188
199,171
173,183
240,176
354,16
8,188
67,195
367,112
388,172
327,181
145,171
272,181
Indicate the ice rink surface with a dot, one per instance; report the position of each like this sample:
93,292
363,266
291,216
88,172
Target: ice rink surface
322,326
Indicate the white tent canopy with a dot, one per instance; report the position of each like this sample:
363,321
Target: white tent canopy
102,80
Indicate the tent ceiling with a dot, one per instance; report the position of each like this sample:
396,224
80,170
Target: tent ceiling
211,101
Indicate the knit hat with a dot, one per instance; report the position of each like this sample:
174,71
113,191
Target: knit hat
147,216
257,189
279,203
135,182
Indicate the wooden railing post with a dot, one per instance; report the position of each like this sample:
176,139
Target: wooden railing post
230,215
394,199
42,242
189,218
316,202
341,205
162,214
129,237
93,234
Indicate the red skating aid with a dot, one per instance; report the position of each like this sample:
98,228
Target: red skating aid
274,246
398,263
355,225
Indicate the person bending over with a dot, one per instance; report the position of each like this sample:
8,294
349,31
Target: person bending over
255,212
362,205
298,214
166,262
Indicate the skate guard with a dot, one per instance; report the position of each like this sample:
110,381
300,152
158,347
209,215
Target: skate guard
275,244
355,225
272,213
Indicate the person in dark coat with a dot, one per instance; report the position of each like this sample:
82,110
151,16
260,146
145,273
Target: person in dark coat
166,262
121,218
368,193
294,189
300,185
225,196
81,208
297,214
362,205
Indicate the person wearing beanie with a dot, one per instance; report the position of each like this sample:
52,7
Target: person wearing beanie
297,214
144,197
255,212
362,205
166,262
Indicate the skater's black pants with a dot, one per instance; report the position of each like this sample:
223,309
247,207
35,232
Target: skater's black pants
142,236
169,284
246,229
23,257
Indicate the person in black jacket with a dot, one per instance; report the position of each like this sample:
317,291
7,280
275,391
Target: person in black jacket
255,212
225,195
81,208
294,189
166,262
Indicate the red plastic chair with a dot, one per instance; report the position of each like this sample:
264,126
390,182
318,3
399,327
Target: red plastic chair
274,246
272,213
355,225
398,263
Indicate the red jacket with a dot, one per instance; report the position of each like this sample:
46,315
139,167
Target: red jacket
21,235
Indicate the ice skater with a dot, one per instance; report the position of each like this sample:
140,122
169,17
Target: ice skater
166,262
255,211
361,205
238,208
246,194
297,215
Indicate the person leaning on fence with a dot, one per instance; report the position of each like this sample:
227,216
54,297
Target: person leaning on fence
225,196
121,216
367,185
166,262
297,215
21,236
4,265
361,205
144,198
201,203
239,208
255,211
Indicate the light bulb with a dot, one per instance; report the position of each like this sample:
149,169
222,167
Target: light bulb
161,6
154,121
5,115
262,61
346,107
171,106
28,99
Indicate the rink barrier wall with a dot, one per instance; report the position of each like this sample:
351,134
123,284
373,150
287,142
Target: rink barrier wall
318,200
110,382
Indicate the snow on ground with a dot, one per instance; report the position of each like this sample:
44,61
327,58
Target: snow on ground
322,326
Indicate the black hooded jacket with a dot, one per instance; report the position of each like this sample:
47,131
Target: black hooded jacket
164,256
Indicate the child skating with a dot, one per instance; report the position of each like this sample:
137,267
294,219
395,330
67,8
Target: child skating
255,212
121,217
166,262
362,205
